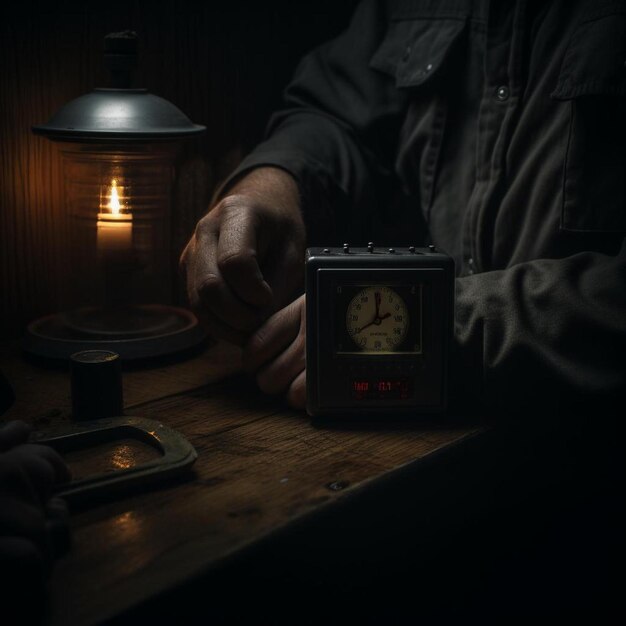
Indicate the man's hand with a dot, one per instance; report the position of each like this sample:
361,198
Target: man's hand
245,259
276,353
34,527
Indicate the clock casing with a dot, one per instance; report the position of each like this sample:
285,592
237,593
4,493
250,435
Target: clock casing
379,328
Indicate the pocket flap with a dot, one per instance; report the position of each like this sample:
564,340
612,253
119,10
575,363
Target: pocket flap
414,50
595,60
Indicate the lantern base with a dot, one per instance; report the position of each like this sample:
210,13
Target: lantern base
166,331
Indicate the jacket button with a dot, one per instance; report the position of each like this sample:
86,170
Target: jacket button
502,93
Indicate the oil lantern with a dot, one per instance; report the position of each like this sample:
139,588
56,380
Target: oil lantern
118,147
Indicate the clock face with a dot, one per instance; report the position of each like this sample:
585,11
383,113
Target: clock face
377,319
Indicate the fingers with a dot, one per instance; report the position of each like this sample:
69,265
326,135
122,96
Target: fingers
237,253
40,473
20,552
46,526
278,332
27,474
277,376
34,529
285,272
56,509
296,396
25,562
62,472
224,281
21,518
42,465
12,434
277,352
15,480
57,527
219,329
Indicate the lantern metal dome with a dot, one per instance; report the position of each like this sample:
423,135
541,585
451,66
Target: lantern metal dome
119,112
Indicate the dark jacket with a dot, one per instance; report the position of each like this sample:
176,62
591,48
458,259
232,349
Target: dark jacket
503,123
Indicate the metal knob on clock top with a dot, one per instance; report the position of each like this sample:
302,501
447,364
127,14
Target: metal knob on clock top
379,330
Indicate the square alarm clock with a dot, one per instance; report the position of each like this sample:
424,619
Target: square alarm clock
379,325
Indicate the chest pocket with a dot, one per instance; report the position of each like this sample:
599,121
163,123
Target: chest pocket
415,50
592,82
415,53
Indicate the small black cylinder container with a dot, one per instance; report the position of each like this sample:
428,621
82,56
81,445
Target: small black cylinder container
96,384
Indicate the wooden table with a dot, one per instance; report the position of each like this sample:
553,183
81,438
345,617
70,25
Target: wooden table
263,473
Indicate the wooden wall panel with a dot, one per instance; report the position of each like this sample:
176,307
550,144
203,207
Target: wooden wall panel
222,63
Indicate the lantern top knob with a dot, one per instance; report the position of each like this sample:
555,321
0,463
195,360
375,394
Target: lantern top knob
120,57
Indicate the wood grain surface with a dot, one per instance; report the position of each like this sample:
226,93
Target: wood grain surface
260,468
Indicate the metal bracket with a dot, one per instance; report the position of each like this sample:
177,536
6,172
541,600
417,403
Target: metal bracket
177,453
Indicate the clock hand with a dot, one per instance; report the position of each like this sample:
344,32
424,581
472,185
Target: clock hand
376,317
376,320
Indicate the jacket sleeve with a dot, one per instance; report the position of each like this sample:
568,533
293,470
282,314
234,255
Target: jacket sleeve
545,335
335,134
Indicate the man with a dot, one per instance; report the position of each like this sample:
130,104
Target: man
504,124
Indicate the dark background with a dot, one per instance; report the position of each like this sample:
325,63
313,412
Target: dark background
224,64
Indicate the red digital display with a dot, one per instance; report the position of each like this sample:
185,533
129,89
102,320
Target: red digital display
380,389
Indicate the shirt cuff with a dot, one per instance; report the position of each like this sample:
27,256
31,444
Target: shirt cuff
315,185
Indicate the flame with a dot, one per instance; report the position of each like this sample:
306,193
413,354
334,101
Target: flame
114,199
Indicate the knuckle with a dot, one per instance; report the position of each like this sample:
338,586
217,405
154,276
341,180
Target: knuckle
235,262
240,210
204,225
209,284
234,202
228,210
